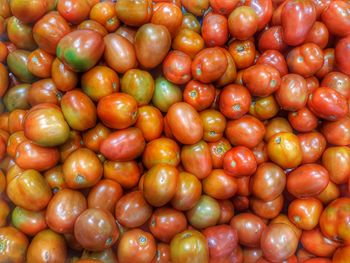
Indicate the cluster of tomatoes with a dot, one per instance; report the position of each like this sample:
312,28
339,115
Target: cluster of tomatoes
193,131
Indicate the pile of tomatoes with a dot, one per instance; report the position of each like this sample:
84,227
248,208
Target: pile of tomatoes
157,131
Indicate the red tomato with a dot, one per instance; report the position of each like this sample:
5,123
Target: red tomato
219,185
239,161
272,39
342,52
243,22
177,67
15,245
199,95
214,30
335,18
303,120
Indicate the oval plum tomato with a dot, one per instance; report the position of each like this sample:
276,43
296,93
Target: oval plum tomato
126,173
17,62
73,11
249,228
328,63
293,93
219,185
185,123
137,246
214,29
307,180
342,52
262,80
105,14
335,17
328,104
63,210
303,120
243,22
278,242
209,65
15,245
231,72
150,122
297,19
188,41
276,125
20,34
260,153
329,194
239,161
40,63
62,76
134,13
305,60
234,101
55,178
177,67
284,149
165,223
333,220
168,15
44,91
93,138
312,146
268,182
263,9
28,11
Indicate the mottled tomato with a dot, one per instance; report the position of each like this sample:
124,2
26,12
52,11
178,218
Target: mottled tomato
335,17
307,180
219,185
127,174
278,242
337,162
342,51
152,43
105,14
328,104
17,62
243,52
305,60
316,243
39,63
177,67
165,223
189,246
20,34
188,41
263,9
333,221
249,228
312,146
168,15
29,190
63,77
297,19
196,159
165,94
272,39
29,222
243,22
134,13
63,210
284,149
189,21
292,94
136,246
246,131
15,245
199,95
303,120
234,101
47,245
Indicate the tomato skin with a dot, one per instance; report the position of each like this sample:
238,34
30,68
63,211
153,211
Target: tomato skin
308,180
303,120
262,80
333,220
15,245
165,223
132,210
44,91
234,101
134,13
246,131
214,124
73,11
162,254
63,210
226,211
29,190
55,178
328,63
62,76
224,7
199,95
243,52
126,173
20,34
274,58
336,161
105,14
136,246
312,145
249,228
29,222
189,246
267,209
94,26
168,15
342,51
337,81
219,185
239,161
177,67
335,18
276,248
328,104
272,39
243,22
341,255
214,29
123,145
336,132
319,245
185,123
297,18
46,243
222,240
318,34
4,80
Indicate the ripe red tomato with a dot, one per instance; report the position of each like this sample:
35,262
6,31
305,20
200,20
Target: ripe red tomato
239,161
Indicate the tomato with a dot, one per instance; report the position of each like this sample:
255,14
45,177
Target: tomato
263,9
105,14
189,246
44,91
268,182
214,124
199,95
127,32
17,98
227,211
252,254
150,122
219,185
335,160
165,223
329,194
264,107
168,15
271,39
16,119
4,80
278,242
293,93
165,94
106,255
162,254
246,131
337,81
94,26
342,51
63,77
214,29
29,222
28,11
5,211
136,246
328,63
231,72
188,41
243,52
152,43
335,18
47,244
92,138
134,13
283,219
73,11
308,180
303,120
234,101
312,145
267,209
243,22
177,67
277,125
318,34
341,255
17,62
15,245
189,21
20,34
297,19
249,228
55,178
127,174
63,210
319,245
40,63
80,49
196,7
284,149
29,190
239,161
224,7
274,58
328,104
333,220
13,141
